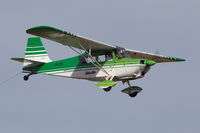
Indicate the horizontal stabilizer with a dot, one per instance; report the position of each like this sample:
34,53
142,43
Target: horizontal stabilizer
25,60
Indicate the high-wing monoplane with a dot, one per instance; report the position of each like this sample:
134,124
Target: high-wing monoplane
96,61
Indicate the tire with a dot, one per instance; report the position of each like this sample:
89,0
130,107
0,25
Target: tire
133,94
26,77
107,89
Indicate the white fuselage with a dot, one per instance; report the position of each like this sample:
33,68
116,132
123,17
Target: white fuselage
118,72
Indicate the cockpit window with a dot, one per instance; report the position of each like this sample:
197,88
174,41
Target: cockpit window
122,53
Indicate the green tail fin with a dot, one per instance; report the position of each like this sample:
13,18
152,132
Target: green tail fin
35,50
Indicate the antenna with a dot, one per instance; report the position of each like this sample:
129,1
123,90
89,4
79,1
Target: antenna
12,77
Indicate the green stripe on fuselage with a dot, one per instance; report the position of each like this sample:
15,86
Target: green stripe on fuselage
73,64
86,68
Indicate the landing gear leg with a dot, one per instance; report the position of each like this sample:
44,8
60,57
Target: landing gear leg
128,83
26,77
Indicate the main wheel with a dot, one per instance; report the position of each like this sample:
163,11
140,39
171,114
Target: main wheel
107,89
133,94
26,77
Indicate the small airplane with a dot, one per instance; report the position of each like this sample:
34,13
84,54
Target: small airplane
96,61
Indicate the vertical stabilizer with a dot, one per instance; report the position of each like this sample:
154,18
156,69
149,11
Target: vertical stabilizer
35,51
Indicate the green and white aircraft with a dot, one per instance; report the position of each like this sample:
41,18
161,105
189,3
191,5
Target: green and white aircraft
96,61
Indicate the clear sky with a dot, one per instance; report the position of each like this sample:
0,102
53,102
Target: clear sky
169,102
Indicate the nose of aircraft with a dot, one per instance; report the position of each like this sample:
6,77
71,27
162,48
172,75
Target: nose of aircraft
150,62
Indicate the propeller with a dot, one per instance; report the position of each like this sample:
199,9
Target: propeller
150,63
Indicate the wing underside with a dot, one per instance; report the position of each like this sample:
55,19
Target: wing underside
71,40
157,58
67,38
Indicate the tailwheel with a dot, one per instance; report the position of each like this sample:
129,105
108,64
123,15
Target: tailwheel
107,89
26,77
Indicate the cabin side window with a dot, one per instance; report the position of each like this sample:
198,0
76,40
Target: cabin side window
141,61
100,58
82,60
107,56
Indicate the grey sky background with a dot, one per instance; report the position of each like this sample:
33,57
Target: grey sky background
169,102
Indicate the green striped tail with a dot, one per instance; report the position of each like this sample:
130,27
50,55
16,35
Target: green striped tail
35,50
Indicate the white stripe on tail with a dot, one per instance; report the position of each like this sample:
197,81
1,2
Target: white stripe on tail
35,51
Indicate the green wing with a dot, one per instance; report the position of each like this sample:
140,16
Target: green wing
67,38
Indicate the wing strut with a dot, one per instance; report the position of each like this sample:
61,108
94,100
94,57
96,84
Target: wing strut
96,63
77,52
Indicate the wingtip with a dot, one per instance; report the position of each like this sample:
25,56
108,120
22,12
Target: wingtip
180,59
39,28
175,59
